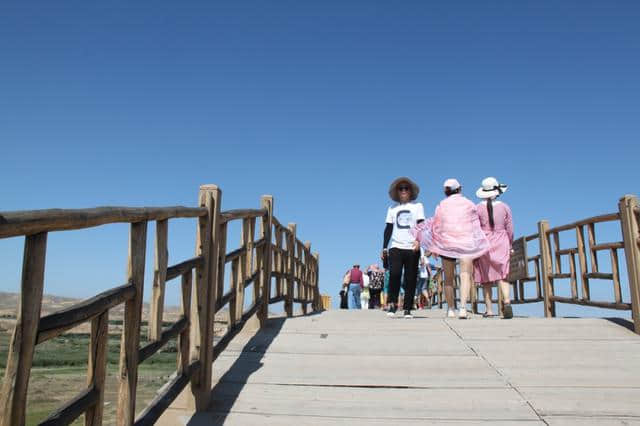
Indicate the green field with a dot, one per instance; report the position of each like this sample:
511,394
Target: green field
60,369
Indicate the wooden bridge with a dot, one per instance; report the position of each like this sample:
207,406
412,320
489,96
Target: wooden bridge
334,367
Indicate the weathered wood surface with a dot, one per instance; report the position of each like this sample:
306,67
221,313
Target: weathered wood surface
56,323
15,383
331,369
30,222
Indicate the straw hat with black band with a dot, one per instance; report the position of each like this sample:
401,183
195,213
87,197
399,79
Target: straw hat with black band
393,188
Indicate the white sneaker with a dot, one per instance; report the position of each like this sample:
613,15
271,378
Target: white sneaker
451,313
462,313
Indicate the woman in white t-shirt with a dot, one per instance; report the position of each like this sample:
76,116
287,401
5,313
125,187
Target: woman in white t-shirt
400,247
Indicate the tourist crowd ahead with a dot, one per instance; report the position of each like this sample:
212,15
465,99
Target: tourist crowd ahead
478,237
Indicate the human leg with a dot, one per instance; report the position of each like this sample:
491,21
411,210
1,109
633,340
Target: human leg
466,271
410,262
449,267
505,289
486,289
395,275
354,296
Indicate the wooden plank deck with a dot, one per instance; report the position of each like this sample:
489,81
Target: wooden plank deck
361,367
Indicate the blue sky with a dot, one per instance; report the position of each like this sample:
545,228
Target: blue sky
320,104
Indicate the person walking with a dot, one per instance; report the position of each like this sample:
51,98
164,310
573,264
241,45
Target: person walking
365,295
399,246
356,283
497,224
456,234
422,285
376,276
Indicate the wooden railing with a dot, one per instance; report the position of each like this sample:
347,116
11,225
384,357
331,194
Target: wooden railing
583,264
254,263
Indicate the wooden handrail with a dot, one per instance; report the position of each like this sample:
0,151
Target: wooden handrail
54,324
168,334
592,220
230,215
72,409
251,264
28,222
180,268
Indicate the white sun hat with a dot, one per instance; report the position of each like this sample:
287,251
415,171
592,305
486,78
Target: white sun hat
490,188
452,183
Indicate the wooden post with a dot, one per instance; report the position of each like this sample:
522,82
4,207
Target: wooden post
305,276
546,269
265,281
630,234
582,259
279,263
206,292
23,341
316,282
183,338
130,342
159,276
97,366
291,270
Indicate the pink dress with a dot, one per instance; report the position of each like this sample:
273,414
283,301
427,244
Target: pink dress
456,229
494,265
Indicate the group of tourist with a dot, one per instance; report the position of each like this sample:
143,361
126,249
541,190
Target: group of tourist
479,237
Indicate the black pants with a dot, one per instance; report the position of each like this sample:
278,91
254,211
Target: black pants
400,259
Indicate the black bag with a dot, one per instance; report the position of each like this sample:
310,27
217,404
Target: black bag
344,304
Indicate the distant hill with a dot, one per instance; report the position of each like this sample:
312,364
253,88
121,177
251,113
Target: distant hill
50,303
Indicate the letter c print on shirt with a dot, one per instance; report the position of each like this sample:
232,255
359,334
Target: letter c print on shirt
403,219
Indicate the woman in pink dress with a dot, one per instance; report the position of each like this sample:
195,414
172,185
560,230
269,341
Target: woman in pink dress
456,234
493,266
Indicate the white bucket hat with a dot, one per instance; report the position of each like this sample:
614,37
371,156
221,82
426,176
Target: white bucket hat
490,188
452,184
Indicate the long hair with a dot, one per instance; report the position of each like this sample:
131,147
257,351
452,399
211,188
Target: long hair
490,210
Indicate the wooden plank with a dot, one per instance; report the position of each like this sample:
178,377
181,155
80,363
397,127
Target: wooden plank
600,275
235,254
222,243
572,272
291,269
54,324
23,340
567,251
29,222
154,346
560,276
556,243
589,221
546,268
627,206
224,300
278,263
582,259
128,376
266,201
160,261
97,367
183,339
316,281
229,215
615,268
73,409
181,268
581,302
608,246
591,231
234,315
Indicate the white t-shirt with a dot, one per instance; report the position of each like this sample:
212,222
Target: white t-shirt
365,280
404,217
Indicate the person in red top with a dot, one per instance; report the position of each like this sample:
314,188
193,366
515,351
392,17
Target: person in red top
355,287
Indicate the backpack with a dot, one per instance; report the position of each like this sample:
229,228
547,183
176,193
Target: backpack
376,281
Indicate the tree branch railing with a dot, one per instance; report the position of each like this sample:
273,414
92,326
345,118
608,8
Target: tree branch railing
257,262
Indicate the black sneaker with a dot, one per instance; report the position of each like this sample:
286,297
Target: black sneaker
507,311
391,311
407,314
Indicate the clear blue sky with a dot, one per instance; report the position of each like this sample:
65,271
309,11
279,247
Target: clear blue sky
321,104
